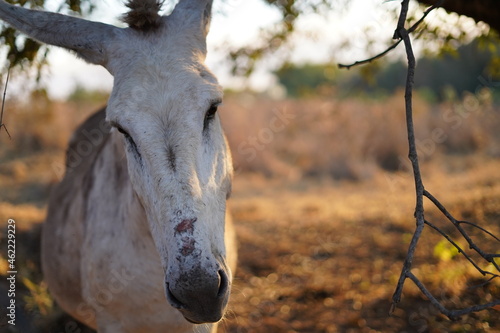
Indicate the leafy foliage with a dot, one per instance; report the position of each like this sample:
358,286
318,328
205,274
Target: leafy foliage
305,79
23,52
450,75
244,59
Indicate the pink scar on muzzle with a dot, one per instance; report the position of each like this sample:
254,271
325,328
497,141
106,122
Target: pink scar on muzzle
188,246
188,243
186,226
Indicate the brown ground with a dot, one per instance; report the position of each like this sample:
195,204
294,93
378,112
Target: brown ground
322,256
315,254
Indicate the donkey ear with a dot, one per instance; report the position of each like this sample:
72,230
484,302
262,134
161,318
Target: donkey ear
195,13
88,39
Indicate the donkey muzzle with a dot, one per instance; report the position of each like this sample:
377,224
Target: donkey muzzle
201,296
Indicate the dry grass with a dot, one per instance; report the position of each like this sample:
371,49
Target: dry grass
352,139
318,251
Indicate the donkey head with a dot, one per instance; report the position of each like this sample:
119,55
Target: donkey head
163,106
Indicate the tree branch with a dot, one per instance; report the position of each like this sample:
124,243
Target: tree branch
460,250
393,46
413,156
380,55
480,228
404,35
2,125
487,256
452,314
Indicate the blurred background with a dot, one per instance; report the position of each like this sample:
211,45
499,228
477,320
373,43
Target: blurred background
323,195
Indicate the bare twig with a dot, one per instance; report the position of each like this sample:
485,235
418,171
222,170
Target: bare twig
413,156
2,125
393,46
487,256
380,55
460,250
401,26
452,314
482,229
404,35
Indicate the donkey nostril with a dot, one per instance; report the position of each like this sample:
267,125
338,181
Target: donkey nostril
223,283
173,300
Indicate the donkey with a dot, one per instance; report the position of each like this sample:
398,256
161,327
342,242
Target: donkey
137,237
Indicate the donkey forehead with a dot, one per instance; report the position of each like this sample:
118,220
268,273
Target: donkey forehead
169,43
153,79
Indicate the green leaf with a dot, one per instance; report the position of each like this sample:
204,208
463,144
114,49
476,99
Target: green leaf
445,251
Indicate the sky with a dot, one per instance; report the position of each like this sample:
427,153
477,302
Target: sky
321,38
238,22
236,25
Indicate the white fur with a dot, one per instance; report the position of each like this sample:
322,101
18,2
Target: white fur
122,241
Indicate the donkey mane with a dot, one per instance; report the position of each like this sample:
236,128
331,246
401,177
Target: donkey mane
143,15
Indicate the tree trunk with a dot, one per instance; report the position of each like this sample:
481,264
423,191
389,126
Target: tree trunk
487,11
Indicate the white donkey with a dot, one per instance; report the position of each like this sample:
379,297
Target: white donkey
137,238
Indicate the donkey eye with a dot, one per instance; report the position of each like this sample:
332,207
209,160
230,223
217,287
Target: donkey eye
122,131
212,110
130,141
125,134
210,114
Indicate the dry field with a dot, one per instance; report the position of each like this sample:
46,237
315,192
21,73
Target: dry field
323,205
